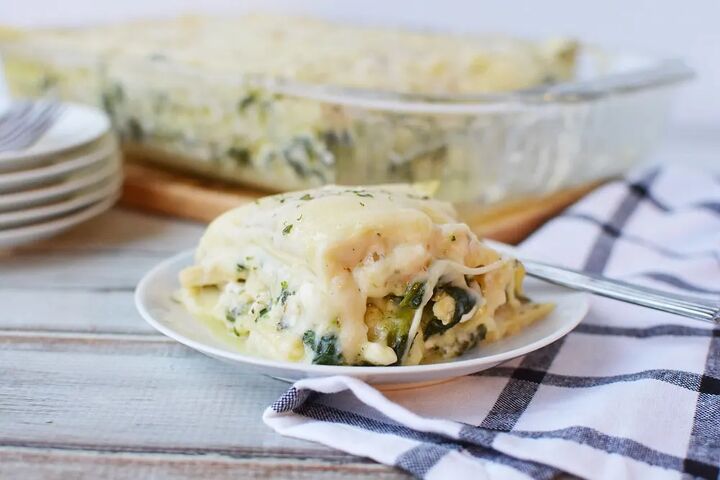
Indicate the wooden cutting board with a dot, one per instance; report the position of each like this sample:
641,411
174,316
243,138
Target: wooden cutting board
151,188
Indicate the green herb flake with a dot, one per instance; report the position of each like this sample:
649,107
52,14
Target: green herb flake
230,316
362,204
360,193
287,229
263,312
284,285
240,268
307,196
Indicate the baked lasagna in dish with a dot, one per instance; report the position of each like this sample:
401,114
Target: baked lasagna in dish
380,275
289,103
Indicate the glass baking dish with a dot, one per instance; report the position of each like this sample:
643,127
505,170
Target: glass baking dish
283,135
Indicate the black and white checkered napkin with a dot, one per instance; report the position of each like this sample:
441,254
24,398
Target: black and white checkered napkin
630,393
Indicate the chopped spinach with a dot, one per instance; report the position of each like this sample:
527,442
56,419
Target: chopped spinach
464,302
284,292
283,297
413,295
398,343
134,129
335,140
309,338
240,155
247,101
48,82
111,97
306,157
326,349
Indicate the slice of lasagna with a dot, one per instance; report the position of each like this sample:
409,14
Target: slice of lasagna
354,276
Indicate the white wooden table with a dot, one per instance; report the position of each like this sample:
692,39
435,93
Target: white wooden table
89,390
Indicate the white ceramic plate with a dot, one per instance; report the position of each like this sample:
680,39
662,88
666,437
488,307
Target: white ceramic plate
77,125
61,189
153,298
24,179
21,235
96,193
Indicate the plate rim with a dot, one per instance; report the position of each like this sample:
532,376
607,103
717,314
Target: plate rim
375,371
98,192
10,180
9,238
30,198
104,126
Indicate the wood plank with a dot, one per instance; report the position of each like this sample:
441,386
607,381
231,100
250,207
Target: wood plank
154,189
77,269
512,222
134,393
28,463
120,229
64,310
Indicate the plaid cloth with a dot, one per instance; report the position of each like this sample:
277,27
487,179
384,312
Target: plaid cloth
630,393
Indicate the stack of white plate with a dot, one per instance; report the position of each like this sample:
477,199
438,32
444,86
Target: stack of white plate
59,166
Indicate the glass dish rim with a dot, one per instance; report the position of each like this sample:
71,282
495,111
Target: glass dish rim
663,72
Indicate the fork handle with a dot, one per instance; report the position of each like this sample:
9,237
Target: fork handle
687,306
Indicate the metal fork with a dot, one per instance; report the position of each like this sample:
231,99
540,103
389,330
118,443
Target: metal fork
25,122
685,305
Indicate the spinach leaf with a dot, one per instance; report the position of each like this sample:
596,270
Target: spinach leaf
134,129
247,101
413,295
326,350
240,155
309,338
464,302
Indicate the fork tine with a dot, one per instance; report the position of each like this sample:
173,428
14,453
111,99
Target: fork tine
14,115
32,134
32,128
19,122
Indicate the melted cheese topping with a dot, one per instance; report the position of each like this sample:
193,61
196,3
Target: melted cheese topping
321,52
351,275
